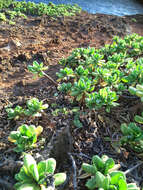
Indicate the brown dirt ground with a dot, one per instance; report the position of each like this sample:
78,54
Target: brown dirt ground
48,40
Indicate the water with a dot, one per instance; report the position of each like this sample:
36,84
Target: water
113,7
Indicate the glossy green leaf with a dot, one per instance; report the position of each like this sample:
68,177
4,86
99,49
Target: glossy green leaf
91,169
91,183
116,176
59,178
30,186
98,162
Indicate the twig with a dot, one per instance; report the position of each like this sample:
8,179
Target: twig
74,171
134,167
55,83
6,184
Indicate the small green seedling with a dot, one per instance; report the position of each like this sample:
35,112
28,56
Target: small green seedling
104,176
103,165
132,136
38,69
39,176
25,137
113,181
15,113
35,107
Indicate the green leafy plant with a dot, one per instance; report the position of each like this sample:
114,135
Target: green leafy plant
14,113
113,181
65,87
81,88
5,3
35,107
31,8
104,176
105,97
25,137
97,77
38,69
39,176
132,136
103,165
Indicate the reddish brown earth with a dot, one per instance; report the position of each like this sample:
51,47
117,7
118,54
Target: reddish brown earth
48,40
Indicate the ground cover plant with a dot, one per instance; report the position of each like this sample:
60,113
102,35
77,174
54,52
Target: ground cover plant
34,108
97,78
105,176
132,136
12,9
25,137
82,95
38,176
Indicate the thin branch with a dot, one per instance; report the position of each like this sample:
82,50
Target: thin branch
134,167
55,83
74,172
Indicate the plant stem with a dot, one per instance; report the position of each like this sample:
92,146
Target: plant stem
55,83
134,167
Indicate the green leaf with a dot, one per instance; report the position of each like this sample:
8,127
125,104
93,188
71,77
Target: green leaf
91,169
91,183
139,87
21,176
108,165
98,162
34,172
15,135
106,183
132,90
124,129
79,97
59,178
28,161
116,176
42,167
51,165
138,119
122,184
31,186
100,179
132,186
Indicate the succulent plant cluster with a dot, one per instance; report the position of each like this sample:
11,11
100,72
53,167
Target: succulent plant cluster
104,175
97,77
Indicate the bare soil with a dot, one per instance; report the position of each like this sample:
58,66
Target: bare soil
47,40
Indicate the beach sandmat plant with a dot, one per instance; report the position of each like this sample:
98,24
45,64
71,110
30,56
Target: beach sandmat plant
39,176
132,136
25,137
103,175
34,108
